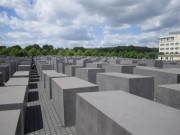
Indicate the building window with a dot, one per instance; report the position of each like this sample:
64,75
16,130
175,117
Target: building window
161,48
172,43
161,44
176,52
177,48
167,48
167,52
171,52
167,44
172,48
177,43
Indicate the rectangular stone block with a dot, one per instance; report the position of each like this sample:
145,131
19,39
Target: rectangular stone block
5,70
1,78
24,68
21,74
121,113
70,69
61,67
142,86
168,94
43,76
10,123
96,64
161,76
12,98
119,68
22,81
64,96
10,65
88,74
48,81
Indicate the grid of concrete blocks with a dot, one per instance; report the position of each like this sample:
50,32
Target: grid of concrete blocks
89,96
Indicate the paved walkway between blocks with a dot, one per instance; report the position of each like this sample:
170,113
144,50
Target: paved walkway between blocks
41,117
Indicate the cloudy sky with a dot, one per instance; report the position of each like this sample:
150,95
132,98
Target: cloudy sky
87,23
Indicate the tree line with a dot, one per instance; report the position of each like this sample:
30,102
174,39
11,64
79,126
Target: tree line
120,51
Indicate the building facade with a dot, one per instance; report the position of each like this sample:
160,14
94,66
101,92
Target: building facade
169,47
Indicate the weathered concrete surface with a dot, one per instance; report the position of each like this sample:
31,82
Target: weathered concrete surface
21,74
24,67
136,84
121,113
12,98
96,64
70,69
88,74
64,96
1,78
10,123
23,81
168,94
119,68
43,76
5,70
161,76
48,81
61,67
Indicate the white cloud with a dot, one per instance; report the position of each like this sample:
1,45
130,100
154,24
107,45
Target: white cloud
77,22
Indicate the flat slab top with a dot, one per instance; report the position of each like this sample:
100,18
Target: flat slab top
9,122
89,68
118,65
4,66
164,70
97,63
72,82
24,65
49,71
12,95
23,81
74,66
137,115
21,73
171,86
124,75
56,75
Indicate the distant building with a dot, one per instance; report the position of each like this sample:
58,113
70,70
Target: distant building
169,47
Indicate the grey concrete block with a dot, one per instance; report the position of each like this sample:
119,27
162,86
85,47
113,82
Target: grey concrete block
43,76
88,74
1,78
119,68
61,67
12,98
120,113
161,76
96,64
168,94
70,69
64,96
5,70
48,81
24,68
21,81
10,123
21,74
135,84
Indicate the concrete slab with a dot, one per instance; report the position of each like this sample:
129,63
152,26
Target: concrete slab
21,74
168,94
5,70
135,84
96,64
61,67
70,69
43,76
48,81
120,113
10,122
119,68
1,78
64,96
88,74
23,81
24,67
161,76
12,98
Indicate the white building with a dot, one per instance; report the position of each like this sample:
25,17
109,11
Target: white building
169,47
